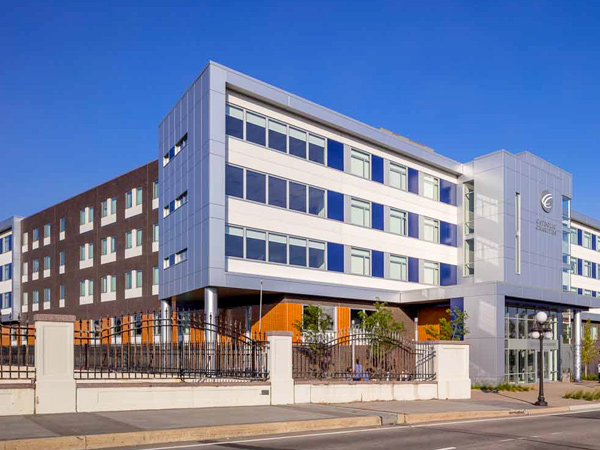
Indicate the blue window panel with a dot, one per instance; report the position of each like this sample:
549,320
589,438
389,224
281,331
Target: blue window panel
447,233
234,126
377,216
579,237
377,263
413,181
335,206
335,155
377,168
580,291
579,267
447,274
594,270
593,242
413,269
8,243
459,303
335,257
413,225
256,186
594,294
447,192
234,181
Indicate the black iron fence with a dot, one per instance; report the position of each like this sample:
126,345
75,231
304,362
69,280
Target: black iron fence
17,354
181,346
360,355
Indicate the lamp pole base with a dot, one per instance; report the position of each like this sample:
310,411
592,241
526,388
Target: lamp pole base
541,402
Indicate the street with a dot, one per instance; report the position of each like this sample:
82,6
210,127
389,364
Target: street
562,431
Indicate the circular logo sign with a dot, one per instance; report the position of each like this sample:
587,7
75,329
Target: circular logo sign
546,201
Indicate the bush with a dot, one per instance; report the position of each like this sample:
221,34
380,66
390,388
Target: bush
585,395
509,387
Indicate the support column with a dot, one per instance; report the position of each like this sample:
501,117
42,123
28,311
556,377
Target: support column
211,310
55,388
280,367
165,316
577,345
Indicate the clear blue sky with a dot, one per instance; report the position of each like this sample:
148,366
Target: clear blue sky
84,84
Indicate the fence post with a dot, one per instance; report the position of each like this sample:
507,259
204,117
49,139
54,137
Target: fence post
55,388
280,367
451,366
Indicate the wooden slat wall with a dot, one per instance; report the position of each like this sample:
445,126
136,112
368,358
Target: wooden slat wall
430,316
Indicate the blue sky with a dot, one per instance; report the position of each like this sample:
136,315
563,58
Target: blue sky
83,85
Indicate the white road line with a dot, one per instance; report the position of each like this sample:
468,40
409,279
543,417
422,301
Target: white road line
558,432
447,448
506,440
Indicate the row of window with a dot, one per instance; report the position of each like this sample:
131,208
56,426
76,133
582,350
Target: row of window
279,192
261,130
6,300
6,272
585,239
175,150
174,205
6,244
585,268
175,258
279,248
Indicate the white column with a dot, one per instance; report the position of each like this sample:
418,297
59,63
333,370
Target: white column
55,388
452,370
211,310
280,367
577,344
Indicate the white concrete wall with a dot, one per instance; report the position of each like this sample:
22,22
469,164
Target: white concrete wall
16,400
451,366
363,392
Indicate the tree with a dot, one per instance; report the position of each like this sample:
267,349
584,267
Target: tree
450,330
381,320
314,323
588,349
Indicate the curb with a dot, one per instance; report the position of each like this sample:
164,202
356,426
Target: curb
99,441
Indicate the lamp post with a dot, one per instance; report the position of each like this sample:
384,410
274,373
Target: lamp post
542,328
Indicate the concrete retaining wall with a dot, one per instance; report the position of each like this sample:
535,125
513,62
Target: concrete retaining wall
16,399
363,392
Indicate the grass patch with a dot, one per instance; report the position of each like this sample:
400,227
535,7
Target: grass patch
507,387
589,377
580,394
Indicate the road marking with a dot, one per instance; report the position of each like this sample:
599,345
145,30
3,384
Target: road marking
506,440
447,448
558,432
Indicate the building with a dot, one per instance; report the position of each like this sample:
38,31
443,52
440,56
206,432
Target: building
94,255
264,192
10,232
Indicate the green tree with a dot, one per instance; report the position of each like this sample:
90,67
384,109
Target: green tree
380,320
315,322
453,329
588,349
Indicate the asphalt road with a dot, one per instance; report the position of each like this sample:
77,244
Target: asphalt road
565,431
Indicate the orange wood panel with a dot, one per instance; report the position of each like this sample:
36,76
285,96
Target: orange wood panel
430,316
343,318
126,326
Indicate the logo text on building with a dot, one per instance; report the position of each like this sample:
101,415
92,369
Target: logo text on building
546,201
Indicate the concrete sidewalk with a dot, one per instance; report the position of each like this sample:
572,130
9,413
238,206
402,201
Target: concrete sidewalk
129,428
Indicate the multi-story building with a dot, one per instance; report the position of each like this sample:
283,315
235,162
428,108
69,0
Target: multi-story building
9,269
96,254
271,196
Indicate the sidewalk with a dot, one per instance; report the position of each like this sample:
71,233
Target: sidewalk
128,428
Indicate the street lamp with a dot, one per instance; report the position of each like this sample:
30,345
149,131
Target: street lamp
542,329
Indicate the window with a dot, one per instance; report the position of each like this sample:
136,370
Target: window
129,239
329,315
431,187
573,236
90,214
360,212
360,262
138,237
25,241
234,121
62,258
398,267
234,242
128,199
587,292
36,265
255,128
113,284
255,245
36,234
234,181
104,285
128,280
47,229
431,230
586,270
104,212
277,192
297,196
104,246
138,279
255,186
398,222
46,263
36,297
175,204
155,276
316,201
297,143
155,232
431,273
587,239
113,205
316,254
469,257
181,256
277,136
25,269
316,149
62,292
277,248
46,295
138,196
154,190
7,272
517,233
297,252
360,164
398,176
91,251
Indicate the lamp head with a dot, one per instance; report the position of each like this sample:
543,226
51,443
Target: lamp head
535,335
541,317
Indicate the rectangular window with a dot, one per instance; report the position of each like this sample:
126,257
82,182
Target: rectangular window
91,251
587,269
234,181
431,230
297,252
25,241
469,257
129,239
104,285
155,232
234,121
277,136
128,199
138,237
587,239
256,245
255,128
47,229
297,143
277,248
297,196
518,233
155,276
255,186
36,297
573,235
398,267
316,201
128,280
36,265
431,187
36,234
155,190
113,283
234,241
277,192
46,263
82,253
138,196
431,273
104,208
138,278
62,292
360,164
316,149
62,258
90,214
398,176
360,213
104,246
81,219
316,254
113,206
360,263
398,222
46,295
